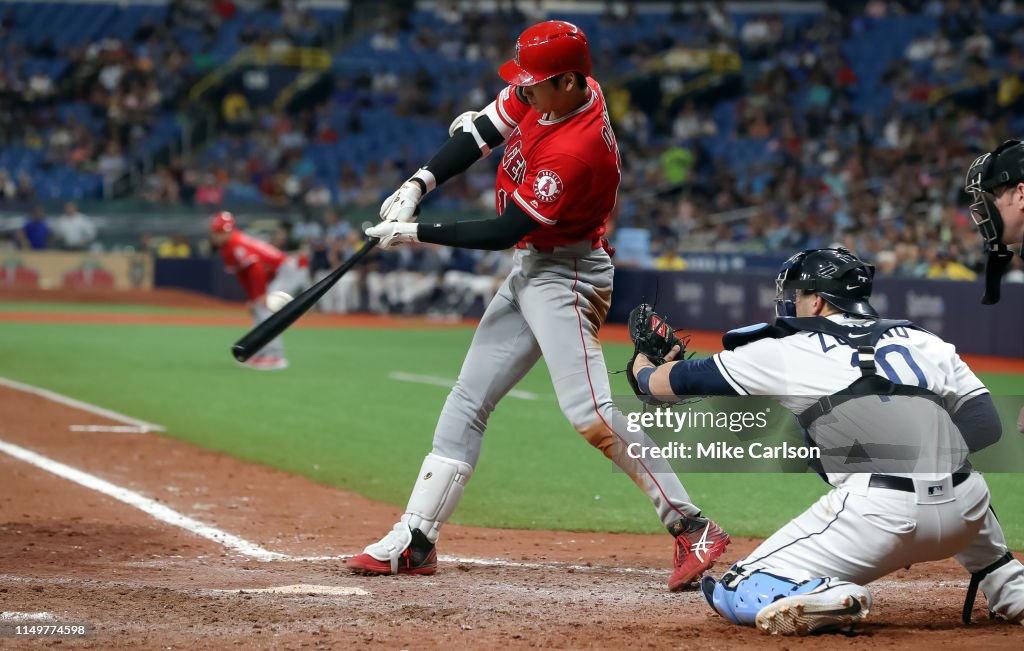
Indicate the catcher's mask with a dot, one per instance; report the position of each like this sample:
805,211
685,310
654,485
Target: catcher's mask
837,275
989,172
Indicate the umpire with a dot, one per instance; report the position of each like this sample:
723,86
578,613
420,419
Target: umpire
995,182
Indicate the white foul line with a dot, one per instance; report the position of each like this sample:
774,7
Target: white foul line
151,507
402,376
127,429
78,404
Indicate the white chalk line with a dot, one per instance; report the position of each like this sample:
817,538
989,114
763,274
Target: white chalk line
144,504
125,429
78,404
434,380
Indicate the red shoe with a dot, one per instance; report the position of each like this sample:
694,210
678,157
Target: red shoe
420,557
699,543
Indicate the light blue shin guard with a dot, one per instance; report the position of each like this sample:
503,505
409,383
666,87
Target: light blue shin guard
738,597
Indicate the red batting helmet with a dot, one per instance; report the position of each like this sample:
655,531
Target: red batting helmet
222,222
545,50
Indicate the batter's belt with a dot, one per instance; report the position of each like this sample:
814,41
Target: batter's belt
577,250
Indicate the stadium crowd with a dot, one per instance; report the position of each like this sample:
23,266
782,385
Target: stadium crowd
819,142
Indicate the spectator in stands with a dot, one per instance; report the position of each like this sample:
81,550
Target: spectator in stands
161,186
26,188
111,163
35,234
8,189
946,267
921,48
174,247
669,259
74,230
209,191
886,263
236,112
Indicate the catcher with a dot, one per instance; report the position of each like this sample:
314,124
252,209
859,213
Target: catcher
905,389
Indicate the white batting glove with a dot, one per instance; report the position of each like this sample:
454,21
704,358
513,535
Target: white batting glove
401,206
393,233
463,122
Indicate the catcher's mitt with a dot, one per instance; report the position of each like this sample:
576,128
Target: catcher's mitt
652,337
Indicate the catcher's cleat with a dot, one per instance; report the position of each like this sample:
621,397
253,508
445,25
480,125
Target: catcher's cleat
699,543
419,557
834,605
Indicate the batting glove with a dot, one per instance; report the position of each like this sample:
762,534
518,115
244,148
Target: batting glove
402,205
392,233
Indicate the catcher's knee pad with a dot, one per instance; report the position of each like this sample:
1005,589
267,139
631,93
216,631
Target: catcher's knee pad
739,596
437,492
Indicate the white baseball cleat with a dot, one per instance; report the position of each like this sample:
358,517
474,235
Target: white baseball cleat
266,363
832,605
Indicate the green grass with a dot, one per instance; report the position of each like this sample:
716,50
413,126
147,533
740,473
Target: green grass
336,417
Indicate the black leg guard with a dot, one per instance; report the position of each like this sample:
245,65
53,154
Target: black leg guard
976,579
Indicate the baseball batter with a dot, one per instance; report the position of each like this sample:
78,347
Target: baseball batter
261,269
556,187
884,386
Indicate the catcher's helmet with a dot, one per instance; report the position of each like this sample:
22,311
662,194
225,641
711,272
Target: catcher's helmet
545,50
836,275
222,222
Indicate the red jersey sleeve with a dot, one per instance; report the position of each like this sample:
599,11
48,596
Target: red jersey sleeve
510,110
550,186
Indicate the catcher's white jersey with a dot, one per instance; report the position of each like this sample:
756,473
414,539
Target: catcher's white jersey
859,532
799,369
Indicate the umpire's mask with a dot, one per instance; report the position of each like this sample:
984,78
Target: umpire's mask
837,275
987,173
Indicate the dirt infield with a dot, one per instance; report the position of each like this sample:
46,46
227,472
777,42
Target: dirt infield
82,556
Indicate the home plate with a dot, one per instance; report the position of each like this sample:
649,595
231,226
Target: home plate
307,589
